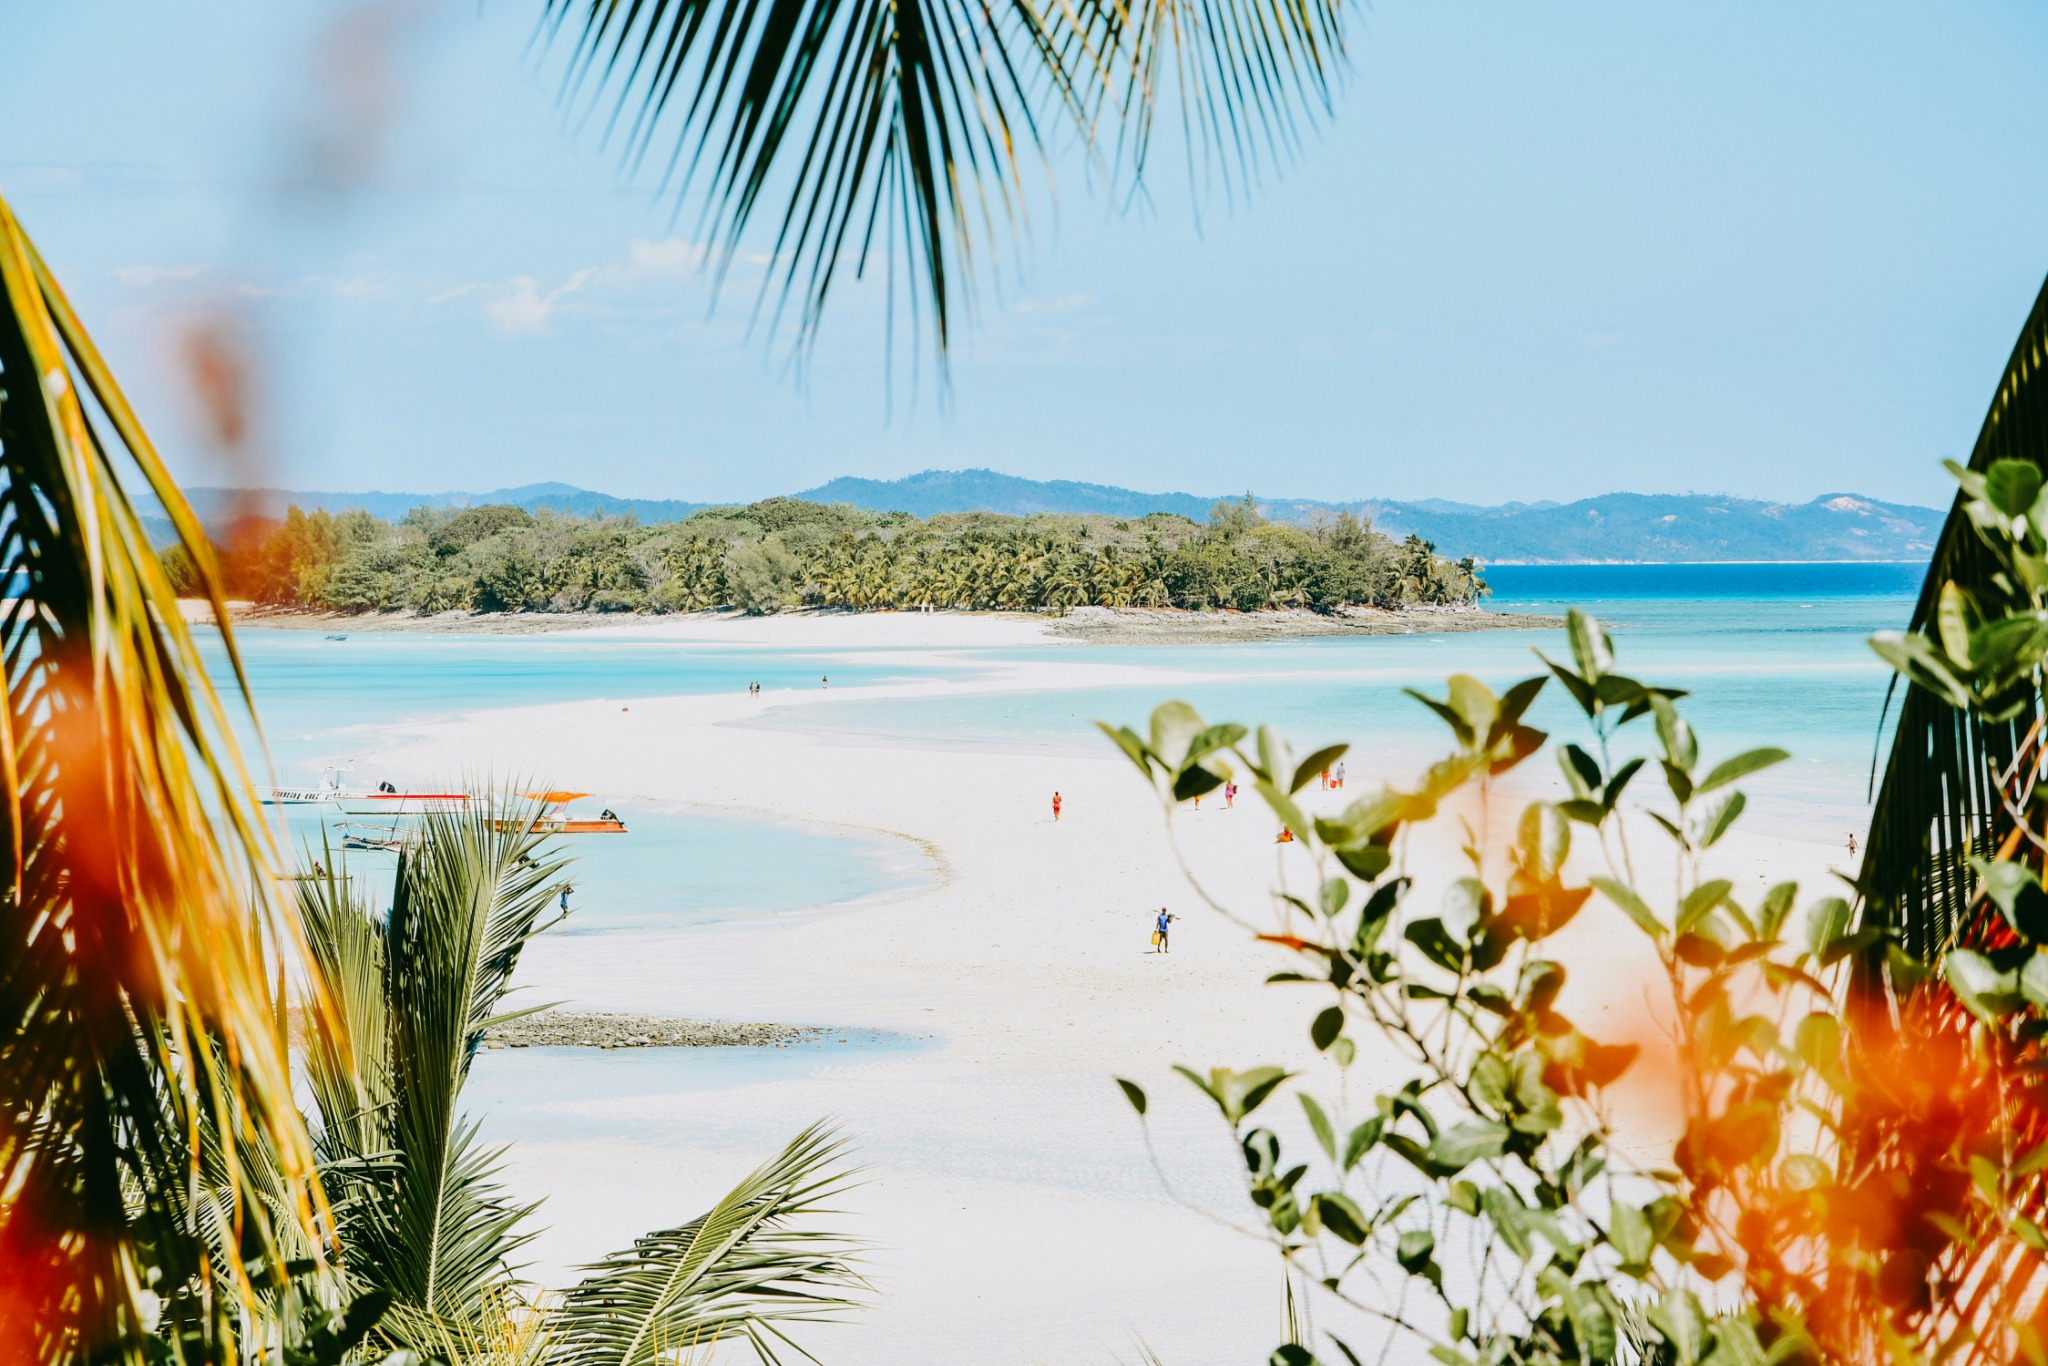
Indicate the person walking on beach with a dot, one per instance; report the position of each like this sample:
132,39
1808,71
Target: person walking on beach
1055,806
1229,796
1852,844
825,682
1159,931
1337,774
565,898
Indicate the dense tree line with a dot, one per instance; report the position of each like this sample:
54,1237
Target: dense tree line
788,553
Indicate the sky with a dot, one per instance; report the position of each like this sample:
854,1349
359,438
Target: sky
1539,251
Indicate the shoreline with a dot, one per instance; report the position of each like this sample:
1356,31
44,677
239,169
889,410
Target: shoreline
1084,625
1027,964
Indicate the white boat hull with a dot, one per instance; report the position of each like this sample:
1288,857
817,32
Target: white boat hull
301,796
396,804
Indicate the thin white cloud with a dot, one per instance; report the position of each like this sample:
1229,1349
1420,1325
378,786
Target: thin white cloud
669,256
142,277
522,309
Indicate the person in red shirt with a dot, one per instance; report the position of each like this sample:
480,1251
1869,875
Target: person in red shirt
1055,806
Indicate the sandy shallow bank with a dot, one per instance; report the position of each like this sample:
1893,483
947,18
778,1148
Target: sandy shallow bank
1016,1214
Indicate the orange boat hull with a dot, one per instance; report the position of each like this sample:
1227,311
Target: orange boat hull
556,825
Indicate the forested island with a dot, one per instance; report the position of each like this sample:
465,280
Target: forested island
782,553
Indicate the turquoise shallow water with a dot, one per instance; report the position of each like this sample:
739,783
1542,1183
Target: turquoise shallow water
680,867
323,701
1771,654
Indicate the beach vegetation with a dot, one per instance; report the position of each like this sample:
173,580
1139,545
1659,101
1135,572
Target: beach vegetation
785,552
139,937
1825,1149
423,1230
1958,777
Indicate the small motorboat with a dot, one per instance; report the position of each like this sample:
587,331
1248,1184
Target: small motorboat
327,793
554,818
390,801
387,801
335,635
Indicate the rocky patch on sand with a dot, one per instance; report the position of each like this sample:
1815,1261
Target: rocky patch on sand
1174,626
587,1029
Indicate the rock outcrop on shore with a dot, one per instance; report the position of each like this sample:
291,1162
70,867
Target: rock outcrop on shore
588,1029
1172,626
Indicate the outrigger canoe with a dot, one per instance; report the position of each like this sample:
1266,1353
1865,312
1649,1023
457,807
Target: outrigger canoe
554,818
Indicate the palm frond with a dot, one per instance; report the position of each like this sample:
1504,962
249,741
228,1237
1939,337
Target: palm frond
129,857
739,1271
412,997
348,1046
869,128
1941,798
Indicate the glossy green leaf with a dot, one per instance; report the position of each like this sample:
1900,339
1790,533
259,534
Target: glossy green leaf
1544,839
1724,816
1415,1249
1306,771
1625,897
1328,1024
2011,486
1475,1140
1988,993
1319,1124
1741,766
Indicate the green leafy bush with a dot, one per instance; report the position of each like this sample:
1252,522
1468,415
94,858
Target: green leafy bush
1859,1173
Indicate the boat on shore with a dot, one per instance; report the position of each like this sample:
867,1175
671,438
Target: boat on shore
389,801
386,800
553,818
382,838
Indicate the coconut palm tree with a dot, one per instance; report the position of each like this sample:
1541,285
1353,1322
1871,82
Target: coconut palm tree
136,985
425,1223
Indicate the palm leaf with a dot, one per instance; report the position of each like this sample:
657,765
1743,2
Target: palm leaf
739,1271
1940,798
872,128
412,998
134,986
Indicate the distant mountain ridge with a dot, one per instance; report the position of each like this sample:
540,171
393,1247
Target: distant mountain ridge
214,503
1612,528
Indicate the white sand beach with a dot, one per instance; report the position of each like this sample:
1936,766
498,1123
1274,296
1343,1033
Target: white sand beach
1012,1209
